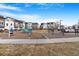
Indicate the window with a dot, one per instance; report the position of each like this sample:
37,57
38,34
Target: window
6,24
11,24
2,23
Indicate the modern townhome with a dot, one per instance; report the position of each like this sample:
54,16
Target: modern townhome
27,25
43,26
18,24
2,23
9,22
52,25
35,26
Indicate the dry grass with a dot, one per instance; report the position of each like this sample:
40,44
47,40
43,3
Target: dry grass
37,34
20,35
42,31
41,50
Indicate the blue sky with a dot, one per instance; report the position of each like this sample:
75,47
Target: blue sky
42,12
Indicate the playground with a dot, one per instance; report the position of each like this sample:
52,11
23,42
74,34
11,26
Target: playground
37,34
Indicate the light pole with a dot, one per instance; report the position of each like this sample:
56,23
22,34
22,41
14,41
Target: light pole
78,22
60,24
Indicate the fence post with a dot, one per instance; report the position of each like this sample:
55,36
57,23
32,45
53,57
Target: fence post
9,33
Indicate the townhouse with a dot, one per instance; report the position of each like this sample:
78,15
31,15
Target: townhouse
51,25
5,23
27,25
35,26
9,22
2,23
16,24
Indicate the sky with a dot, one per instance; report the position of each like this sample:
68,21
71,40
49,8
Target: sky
42,12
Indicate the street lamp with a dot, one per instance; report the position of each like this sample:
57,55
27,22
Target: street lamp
60,24
78,21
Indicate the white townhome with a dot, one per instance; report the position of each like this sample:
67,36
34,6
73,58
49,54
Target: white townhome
9,22
15,24
43,26
52,25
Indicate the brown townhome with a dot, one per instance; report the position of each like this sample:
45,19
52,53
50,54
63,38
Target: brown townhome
35,26
2,23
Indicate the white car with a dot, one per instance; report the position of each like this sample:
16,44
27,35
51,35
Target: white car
69,30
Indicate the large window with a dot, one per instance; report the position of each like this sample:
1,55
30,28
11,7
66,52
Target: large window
2,23
11,24
6,24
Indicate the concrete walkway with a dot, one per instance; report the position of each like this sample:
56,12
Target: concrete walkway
38,41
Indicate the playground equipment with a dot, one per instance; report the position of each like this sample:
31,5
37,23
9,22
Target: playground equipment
10,32
27,29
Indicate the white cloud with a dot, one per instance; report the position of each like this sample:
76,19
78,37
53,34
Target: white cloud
33,18
45,20
36,18
24,17
60,4
42,4
7,14
28,5
3,6
29,18
50,5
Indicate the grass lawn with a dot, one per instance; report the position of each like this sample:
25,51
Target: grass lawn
58,49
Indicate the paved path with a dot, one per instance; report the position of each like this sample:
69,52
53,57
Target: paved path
38,41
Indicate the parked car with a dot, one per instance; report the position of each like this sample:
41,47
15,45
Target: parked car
69,30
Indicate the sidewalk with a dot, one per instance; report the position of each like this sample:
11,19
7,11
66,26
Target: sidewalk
38,41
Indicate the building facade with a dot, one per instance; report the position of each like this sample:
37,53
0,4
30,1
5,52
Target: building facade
2,22
9,22
35,26
43,26
15,24
27,25
18,24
